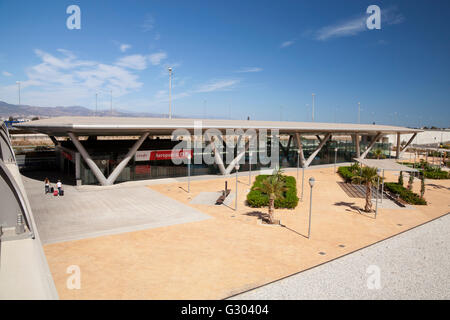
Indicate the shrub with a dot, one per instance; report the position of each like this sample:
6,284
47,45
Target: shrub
405,194
346,173
257,199
436,174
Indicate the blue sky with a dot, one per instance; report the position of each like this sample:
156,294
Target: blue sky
234,59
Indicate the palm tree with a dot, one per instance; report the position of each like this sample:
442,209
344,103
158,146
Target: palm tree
422,185
274,187
369,178
378,153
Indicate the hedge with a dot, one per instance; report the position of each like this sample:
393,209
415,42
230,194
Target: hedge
257,199
346,173
436,174
405,194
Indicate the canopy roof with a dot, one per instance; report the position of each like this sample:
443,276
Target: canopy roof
385,164
163,126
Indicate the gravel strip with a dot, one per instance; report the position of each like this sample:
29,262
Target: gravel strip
412,265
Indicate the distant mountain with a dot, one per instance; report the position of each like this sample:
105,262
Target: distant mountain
25,111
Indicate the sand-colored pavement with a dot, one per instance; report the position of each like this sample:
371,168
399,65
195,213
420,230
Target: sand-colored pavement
231,253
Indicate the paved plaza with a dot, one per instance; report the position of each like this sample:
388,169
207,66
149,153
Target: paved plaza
92,212
232,252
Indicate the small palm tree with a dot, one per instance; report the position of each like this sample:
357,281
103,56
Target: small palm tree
400,178
274,187
410,181
369,178
378,153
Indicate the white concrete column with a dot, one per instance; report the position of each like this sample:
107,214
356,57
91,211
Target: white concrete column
397,151
230,167
358,151
369,147
313,155
300,149
78,169
217,156
409,142
115,174
87,158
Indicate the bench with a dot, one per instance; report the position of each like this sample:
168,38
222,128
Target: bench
222,198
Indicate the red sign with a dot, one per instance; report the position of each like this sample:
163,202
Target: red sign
163,154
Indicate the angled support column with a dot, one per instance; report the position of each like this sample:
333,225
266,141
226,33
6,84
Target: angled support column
230,167
313,155
319,138
397,151
87,158
358,151
113,176
300,149
409,142
217,156
56,142
369,147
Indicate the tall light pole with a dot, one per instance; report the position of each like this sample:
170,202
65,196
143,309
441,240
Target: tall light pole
237,169
312,113
303,180
311,184
189,171
378,187
170,92
18,85
335,158
359,112
250,166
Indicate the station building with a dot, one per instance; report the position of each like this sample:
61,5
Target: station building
108,150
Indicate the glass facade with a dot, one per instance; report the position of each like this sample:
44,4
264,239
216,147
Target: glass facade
153,169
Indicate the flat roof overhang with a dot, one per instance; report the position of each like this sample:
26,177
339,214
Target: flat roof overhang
385,164
60,126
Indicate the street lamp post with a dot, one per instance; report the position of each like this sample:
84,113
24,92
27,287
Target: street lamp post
359,112
250,168
189,172
298,162
170,92
303,181
311,183
376,201
236,200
